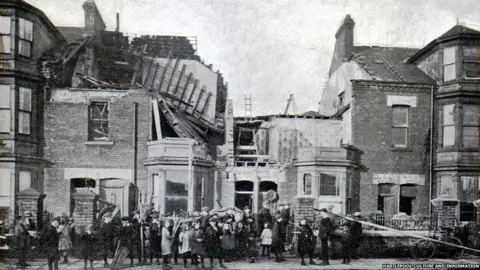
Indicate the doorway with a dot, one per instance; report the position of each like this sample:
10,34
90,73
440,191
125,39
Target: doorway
243,194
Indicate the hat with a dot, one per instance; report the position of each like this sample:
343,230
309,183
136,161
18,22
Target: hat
246,208
213,219
357,214
324,210
155,214
205,209
27,214
249,220
330,207
107,215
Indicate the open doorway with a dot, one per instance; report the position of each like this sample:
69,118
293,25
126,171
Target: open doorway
408,193
243,194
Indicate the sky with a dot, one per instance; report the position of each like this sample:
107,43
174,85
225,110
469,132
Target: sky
270,49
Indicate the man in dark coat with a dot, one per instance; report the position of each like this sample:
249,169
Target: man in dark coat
278,238
213,244
107,237
50,241
264,216
21,241
126,238
326,230
305,242
356,234
155,238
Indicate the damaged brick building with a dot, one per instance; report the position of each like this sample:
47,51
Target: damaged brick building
415,115
119,121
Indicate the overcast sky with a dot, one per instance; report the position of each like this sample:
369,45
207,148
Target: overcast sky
271,48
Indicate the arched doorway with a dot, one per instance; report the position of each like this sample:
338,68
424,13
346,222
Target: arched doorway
243,194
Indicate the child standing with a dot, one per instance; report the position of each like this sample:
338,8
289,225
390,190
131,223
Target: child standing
266,237
184,243
88,241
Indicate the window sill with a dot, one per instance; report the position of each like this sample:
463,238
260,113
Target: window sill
400,149
100,143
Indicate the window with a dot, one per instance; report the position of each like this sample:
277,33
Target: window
400,126
307,184
468,184
449,67
448,125
199,193
447,187
5,187
25,35
25,110
25,180
328,185
471,126
5,34
98,121
5,108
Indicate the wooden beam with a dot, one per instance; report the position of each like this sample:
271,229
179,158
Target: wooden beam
136,71
163,74
173,73
207,102
154,76
198,100
184,67
156,119
193,91
185,88
148,73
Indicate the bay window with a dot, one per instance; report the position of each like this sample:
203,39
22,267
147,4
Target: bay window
5,34
448,123
329,186
25,35
449,66
471,126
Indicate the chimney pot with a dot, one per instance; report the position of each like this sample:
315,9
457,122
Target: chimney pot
117,29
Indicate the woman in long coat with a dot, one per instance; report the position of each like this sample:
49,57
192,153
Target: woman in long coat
166,242
241,236
65,242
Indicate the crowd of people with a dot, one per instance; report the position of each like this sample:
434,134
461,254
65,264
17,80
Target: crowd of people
223,236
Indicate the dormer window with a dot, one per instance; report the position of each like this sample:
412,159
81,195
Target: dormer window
449,66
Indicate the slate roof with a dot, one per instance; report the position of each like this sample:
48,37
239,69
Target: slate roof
71,33
389,64
459,30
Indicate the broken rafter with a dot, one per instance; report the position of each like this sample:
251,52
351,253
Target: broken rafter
193,91
75,51
207,102
175,66
202,91
182,72
157,66
167,95
159,89
185,88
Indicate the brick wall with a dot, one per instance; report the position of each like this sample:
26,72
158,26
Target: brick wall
371,133
303,208
288,189
66,133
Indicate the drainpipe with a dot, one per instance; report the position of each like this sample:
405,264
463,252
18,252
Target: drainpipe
191,188
430,172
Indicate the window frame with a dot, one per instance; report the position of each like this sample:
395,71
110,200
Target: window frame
453,185
401,126
305,184
454,63
22,111
6,109
471,125
200,199
337,184
7,35
449,125
22,38
91,137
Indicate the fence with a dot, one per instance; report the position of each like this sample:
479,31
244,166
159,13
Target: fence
403,223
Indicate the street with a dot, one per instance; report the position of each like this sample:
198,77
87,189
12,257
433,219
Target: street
291,263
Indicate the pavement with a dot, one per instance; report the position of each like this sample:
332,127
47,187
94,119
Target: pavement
290,263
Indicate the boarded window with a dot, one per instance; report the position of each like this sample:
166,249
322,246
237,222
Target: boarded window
25,34
5,34
25,180
25,110
447,187
471,126
307,184
400,126
449,67
98,125
5,108
328,185
448,125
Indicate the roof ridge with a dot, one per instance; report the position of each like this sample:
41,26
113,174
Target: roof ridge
390,67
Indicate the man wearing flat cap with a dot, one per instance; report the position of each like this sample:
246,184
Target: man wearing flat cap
278,238
356,234
326,230
107,236
21,241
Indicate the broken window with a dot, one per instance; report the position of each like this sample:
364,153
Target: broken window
25,110
307,184
448,125
98,121
5,34
25,35
449,67
400,126
329,185
471,126
5,108
176,193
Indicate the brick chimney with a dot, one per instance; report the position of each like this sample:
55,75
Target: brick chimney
93,19
343,44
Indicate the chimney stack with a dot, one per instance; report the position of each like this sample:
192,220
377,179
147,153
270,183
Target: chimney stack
117,29
93,20
344,44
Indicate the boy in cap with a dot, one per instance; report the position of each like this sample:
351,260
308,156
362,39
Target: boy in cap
278,238
51,238
107,236
21,241
88,241
126,238
325,232
305,241
356,234
155,238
